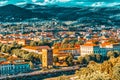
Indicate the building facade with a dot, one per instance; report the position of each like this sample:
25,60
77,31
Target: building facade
11,68
47,58
102,49
23,41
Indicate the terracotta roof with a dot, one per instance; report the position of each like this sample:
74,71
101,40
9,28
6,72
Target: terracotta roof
108,43
90,44
105,43
5,62
7,39
59,54
13,62
37,47
12,58
68,48
22,39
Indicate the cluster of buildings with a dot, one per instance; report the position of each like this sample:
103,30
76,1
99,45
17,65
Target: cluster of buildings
93,42
91,48
101,42
13,65
25,39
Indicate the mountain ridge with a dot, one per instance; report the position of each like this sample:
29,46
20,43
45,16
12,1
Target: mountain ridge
69,3
11,12
91,15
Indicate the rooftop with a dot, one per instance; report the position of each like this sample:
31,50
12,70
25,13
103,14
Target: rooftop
39,48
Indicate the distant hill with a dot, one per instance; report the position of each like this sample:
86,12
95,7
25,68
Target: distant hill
85,15
30,6
14,13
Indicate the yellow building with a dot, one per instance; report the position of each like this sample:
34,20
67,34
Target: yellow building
23,41
47,58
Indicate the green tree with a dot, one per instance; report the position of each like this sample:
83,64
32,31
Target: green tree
97,75
87,58
80,42
93,57
98,58
14,45
3,49
63,78
64,46
82,60
8,49
41,43
69,59
31,65
1,45
33,43
112,54
55,59
30,56
116,71
96,42
116,53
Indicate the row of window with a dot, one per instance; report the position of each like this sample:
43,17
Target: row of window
102,51
9,67
3,72
71,51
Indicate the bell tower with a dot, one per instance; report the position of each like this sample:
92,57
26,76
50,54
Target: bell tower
47,58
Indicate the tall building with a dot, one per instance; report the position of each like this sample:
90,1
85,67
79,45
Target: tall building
47,58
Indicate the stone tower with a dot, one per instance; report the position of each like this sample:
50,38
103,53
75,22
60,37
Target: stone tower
47,58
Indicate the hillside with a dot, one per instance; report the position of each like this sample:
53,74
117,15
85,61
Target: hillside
84,15
14,13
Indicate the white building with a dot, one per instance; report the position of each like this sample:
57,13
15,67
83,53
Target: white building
102,49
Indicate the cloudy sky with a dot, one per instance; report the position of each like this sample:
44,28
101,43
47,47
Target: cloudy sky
94,3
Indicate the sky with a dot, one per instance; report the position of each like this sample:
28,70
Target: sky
93,3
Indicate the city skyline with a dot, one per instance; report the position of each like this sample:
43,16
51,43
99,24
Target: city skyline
60,39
